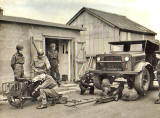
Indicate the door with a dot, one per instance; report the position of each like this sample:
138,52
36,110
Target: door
63,57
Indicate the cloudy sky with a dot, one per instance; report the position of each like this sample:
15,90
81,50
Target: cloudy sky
145,12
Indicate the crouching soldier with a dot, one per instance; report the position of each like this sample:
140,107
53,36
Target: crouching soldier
46,89
86,83
105,87
17,63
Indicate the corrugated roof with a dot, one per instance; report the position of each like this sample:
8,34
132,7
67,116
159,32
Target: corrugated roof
37,22
115,20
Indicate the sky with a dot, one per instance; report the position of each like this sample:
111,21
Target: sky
144,12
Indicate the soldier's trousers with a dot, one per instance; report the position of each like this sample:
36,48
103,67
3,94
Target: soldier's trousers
158,78
44,93
84,88
18,72
55,73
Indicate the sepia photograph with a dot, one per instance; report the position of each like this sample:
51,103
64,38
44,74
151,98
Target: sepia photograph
79,59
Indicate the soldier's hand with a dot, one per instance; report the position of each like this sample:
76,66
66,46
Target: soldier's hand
36,89
91,84
33,92
35,70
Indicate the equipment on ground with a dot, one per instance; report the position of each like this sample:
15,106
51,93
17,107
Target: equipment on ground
18,93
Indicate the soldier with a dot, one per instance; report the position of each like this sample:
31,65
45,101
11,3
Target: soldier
46,89
40,64
106,87
17,63
157,74
85,83
53,59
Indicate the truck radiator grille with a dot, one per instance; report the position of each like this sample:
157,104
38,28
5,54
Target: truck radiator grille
113,58
110,66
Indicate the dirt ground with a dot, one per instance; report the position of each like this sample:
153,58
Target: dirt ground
142,108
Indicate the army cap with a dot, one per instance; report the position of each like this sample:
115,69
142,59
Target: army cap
52,45
19,47
40,52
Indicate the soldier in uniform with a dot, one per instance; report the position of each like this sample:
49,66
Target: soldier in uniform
40,64
17,63
53,59
85,83
157,74
46,89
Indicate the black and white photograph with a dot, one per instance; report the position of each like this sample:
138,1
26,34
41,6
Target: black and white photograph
79,59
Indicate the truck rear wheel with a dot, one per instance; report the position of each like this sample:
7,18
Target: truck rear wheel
142,82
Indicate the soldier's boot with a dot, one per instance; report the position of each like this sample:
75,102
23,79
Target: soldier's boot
53,103
82,92
158,100
59,84
42,106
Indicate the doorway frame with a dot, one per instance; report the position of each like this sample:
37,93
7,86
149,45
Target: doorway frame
70,52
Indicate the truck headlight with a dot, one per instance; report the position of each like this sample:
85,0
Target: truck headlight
126,58
98,58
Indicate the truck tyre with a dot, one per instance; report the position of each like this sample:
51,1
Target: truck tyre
97,82
142,82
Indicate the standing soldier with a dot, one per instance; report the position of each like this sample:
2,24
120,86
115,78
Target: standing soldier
53,59
40,64
157,74
17,62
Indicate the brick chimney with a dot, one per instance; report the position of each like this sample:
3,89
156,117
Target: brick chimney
1,11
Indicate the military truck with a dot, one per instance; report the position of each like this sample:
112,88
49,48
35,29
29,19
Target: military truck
134,61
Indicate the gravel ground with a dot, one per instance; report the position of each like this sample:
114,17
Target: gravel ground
142,108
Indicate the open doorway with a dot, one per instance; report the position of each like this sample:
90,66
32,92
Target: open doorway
63,54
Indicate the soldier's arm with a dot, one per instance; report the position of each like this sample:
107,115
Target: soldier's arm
83,82
13,61
57,57
33,65
47,63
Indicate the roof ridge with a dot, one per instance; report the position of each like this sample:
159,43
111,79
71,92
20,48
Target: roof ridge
105,12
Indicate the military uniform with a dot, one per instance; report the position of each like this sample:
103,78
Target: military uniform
106,87
53,59
46,89
158,75
17,62
85,83
40,65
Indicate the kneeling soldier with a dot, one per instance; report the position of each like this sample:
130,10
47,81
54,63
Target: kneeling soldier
46,89
85,83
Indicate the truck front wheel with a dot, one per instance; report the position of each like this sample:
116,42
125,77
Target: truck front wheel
142,81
